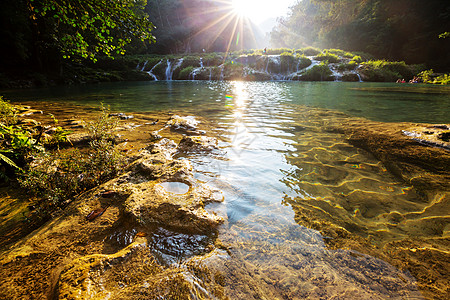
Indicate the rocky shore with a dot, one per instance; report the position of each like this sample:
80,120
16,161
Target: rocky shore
119,239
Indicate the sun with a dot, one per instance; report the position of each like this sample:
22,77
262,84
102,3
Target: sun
242,7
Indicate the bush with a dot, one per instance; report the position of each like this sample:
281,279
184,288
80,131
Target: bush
310,51
185,73
428,76
319,72
303,62
340,52
8,113
330,57
56,177
278,51
357,59
347,67
288,62
381,70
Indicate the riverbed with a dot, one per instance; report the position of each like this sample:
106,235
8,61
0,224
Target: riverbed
308,215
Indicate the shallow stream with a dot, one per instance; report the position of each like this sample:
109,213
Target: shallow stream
276,161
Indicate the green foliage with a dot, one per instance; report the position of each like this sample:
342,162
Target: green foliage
57,177
347,67
185,73
84,29
340,52
357,59
310,51
328,56
279,51
303,62
382,70
428,76
102,127
8,113
409,30
320,72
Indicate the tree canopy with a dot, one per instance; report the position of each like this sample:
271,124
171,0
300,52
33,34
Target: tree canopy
75,29
402,30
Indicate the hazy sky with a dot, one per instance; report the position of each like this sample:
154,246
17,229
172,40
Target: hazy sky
260,10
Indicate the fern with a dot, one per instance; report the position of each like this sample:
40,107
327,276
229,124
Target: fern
8,161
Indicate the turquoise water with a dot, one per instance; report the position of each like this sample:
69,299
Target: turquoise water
387,102
277,159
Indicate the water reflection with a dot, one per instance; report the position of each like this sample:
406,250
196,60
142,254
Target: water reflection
285,179
281,166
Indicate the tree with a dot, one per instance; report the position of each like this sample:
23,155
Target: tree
83,29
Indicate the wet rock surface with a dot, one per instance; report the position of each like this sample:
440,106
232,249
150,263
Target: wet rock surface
77,256
155,242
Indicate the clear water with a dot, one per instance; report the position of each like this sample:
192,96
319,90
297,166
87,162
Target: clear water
277,161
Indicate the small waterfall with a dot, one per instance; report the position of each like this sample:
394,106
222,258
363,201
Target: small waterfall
221,71
151,71
169,70
210,74
337,76
201,62
143,67
359,76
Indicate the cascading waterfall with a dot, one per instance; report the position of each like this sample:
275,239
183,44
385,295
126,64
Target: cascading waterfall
273,67
169,70
151,70
143,67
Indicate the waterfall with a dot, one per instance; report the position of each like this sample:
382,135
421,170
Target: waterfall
151,71
143,67
221,71
168,70
201,62
210,74
336,74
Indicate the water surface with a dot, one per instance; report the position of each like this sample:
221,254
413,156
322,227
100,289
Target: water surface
278,165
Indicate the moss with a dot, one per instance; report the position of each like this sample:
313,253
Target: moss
185,73
309,51
319,72
328,56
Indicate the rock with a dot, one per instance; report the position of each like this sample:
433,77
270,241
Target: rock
122,116
435,135
154,136
197,143
151,203
187,123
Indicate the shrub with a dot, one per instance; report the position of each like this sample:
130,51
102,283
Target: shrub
185,73
320,72
8,113
310,51
56,177
347,67
357,59
287,61
340,52
278,51
102,127
381,70
303,62
330,57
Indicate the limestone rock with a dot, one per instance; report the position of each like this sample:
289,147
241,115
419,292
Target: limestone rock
197,143
188,123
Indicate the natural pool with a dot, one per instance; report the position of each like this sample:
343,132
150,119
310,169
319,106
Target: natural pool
285,177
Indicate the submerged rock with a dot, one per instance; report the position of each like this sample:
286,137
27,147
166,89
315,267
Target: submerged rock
188,123
197,143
